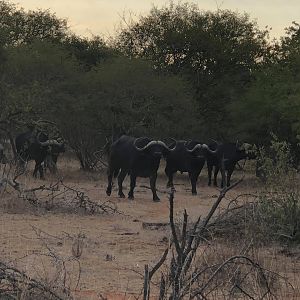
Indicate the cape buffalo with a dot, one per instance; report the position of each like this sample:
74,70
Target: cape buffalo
137,157
37,146
187,157
225,159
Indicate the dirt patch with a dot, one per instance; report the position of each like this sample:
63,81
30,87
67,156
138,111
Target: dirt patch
115,247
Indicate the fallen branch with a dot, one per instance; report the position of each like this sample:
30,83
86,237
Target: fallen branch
14,281
154,226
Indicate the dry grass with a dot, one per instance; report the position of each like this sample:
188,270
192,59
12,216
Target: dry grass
116,247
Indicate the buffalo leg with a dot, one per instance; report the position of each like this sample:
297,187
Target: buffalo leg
132,186
41,171
217,168
38,168
109,185
170,175
194,178
209,171
223,172
120,183
229,173
153,187
224,179
35,171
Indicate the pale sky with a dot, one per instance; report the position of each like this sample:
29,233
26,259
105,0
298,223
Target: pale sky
101,17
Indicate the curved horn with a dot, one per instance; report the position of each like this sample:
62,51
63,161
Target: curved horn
209,150
198,146
172,139
145,147
46,143
153,143
165,146
186,142
49,142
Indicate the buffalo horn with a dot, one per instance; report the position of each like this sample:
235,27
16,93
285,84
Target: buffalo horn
198,146
209,150
50,143
152,143
164,145
145,147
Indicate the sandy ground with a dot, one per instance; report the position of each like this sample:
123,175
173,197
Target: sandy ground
115,247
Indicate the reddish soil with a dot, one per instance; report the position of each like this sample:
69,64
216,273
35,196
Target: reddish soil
115,247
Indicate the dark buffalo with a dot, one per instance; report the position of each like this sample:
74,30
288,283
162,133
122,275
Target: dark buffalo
37,146
3,159
225,159
138,158
187,157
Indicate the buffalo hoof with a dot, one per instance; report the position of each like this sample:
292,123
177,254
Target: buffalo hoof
108,192
156,199
209,184
169,185
121,195
131,197
194,193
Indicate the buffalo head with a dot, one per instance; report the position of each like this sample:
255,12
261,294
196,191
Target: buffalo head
246,150
156,149
200,150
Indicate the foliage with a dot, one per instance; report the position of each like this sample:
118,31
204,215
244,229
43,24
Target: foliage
177,71
89,52
20,27
272,101
216,51
121,96
279,202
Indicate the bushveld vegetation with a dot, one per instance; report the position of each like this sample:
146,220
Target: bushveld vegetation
178,72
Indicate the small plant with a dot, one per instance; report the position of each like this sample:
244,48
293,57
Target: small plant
279,201
77,246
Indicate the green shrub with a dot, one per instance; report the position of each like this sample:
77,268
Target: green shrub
279,200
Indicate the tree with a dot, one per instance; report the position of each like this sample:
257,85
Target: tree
89,52
216,51
24,27
272,102
122,96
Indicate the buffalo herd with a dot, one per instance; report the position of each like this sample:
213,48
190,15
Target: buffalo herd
36,146
139,157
